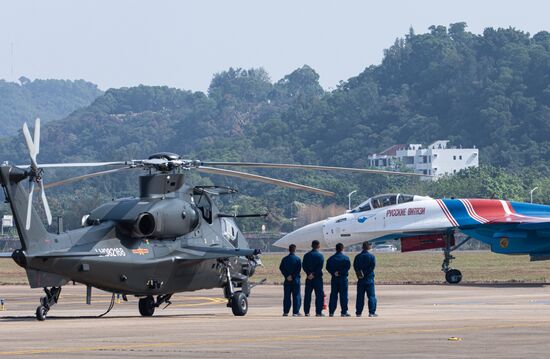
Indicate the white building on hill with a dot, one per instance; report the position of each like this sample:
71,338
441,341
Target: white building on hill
436,159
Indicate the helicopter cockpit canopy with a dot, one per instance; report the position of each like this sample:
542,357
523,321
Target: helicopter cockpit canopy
384,200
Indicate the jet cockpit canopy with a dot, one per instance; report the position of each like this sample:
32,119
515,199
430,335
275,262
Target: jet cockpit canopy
384,200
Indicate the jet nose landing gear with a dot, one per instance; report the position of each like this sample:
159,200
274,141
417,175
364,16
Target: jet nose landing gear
452,276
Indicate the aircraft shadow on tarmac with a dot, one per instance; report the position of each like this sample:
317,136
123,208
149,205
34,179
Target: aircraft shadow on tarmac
503,285
33,318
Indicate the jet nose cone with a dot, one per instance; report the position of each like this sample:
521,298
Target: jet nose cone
303,237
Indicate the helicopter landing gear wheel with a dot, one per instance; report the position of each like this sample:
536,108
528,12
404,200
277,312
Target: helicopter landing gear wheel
146,306
41,313
47,302
236,300
239,304
453,276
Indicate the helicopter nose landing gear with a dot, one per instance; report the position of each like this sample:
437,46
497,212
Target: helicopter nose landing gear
47,302
452,276
236,300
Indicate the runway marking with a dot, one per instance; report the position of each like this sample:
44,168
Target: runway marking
288,338
208,301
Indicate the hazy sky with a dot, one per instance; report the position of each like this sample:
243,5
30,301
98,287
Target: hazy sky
118,43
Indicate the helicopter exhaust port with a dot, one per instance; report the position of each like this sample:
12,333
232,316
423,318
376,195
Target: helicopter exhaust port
145,225
166,219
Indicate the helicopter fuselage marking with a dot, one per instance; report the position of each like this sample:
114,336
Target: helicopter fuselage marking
111,252
140,251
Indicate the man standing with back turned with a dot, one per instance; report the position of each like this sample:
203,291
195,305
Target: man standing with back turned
338,266
290,267
313,266
364,264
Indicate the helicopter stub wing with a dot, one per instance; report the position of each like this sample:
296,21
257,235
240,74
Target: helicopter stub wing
194,252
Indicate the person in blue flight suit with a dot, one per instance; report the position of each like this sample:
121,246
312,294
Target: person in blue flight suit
290,267
313,266
338,266
364,264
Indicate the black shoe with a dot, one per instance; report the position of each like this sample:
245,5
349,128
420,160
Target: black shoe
373,315
345,315
296,315
285,314
358,315
319,315
307,314
331,314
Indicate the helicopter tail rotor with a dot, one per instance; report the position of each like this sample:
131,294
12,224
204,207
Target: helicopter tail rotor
33,145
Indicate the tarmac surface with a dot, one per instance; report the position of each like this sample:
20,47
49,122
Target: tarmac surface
490,321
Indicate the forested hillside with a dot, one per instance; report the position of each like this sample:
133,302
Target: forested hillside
47,99
490,90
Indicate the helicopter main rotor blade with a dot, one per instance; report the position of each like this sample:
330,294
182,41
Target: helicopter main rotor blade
277,182
310,167
79,164
86,176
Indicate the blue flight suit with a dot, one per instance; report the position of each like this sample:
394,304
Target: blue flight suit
338,266
364,264
291,265
313,264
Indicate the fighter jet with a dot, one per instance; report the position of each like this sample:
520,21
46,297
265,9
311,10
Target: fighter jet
421,223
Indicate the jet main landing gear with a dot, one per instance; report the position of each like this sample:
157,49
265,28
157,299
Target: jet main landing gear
47,302
452,276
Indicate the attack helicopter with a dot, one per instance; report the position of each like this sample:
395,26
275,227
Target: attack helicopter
172,238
